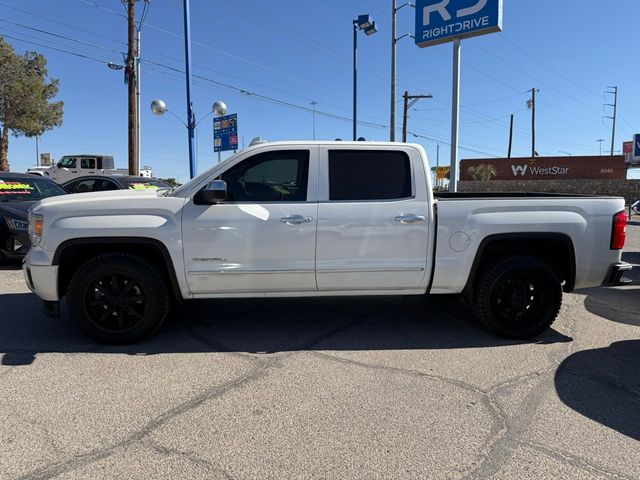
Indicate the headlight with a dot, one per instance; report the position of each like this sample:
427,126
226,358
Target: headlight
36,228
15,224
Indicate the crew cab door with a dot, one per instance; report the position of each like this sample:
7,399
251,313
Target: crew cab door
262,238
373,219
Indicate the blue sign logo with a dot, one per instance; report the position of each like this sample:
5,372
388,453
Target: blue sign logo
636,145
225,133
440,21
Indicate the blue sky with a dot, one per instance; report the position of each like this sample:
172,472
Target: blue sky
298,52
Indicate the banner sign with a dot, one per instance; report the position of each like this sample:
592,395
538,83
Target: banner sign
225,133
544,168
440,21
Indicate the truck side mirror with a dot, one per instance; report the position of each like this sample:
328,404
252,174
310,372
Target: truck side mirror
215,192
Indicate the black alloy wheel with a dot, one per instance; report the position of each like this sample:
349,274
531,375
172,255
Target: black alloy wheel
118,298
518,297
115,303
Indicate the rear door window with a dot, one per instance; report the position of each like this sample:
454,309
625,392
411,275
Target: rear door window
361,175
88,163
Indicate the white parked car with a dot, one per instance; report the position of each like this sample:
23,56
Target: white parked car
294,219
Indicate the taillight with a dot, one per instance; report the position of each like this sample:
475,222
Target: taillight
618,230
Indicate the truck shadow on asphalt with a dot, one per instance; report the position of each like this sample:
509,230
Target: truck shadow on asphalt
265,326
620,304
604,385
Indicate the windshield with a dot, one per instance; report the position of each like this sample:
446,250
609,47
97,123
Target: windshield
28,189
145,184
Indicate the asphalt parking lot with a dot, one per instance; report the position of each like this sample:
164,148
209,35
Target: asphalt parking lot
325,388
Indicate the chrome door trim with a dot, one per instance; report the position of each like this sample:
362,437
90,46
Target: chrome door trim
370,270
249,272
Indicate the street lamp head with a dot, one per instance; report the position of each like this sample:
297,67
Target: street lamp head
364,21
219,108
115,66
371,30
158,107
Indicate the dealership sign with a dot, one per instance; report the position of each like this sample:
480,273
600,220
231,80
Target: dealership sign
440,21
544,168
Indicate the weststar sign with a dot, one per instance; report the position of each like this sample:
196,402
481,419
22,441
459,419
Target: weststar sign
544,168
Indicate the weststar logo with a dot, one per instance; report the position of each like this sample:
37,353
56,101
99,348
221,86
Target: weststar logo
536,170
519,169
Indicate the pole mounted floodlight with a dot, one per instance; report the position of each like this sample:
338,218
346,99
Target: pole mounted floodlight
366,24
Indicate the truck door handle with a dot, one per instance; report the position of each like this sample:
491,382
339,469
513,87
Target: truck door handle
295,219
410,218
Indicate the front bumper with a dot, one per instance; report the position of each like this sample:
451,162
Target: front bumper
615,273
42,280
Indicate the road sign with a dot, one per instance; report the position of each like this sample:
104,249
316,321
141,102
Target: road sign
627,147
225,133
440,21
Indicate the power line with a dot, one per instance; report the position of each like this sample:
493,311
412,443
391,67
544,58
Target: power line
74,27
56,49
39,30
548,67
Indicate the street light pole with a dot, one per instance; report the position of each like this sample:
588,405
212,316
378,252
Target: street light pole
191,120
392,120
355,79
363,22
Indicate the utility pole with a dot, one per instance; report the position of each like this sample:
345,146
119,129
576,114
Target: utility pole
531,103
510,137
437,154
613,91
394,43
131,84
600,143
138,112
409,101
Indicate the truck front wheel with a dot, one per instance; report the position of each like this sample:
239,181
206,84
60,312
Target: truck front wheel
117,298
518,297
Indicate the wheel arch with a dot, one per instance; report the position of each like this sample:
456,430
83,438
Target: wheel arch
71,254
555,249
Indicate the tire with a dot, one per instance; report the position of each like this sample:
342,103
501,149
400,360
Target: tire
117,298
518,297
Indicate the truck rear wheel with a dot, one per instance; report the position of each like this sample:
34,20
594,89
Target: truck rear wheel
518,297
117,298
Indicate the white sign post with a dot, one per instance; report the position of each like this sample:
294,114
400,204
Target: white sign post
440,21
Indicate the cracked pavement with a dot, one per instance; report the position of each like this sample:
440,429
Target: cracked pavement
325,388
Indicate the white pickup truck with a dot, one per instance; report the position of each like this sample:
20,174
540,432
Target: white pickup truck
293,219
74,166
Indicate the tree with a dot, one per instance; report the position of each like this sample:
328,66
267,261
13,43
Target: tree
172,182
482,172
25,94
